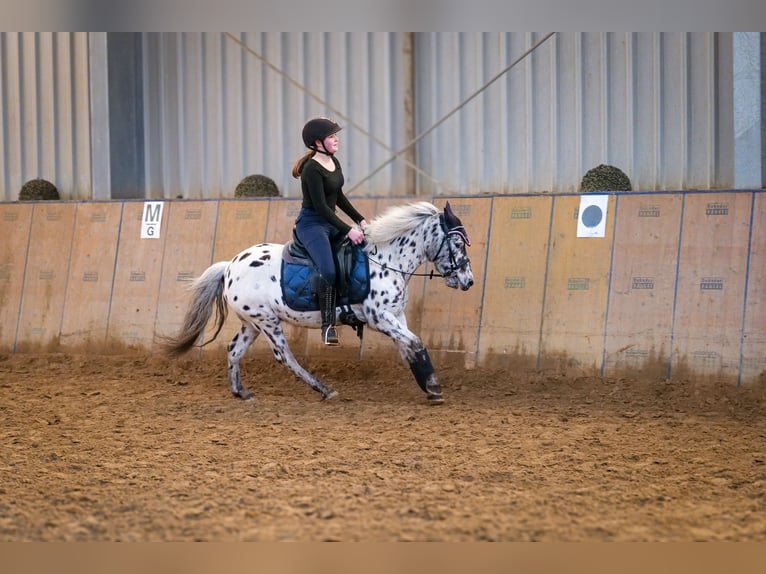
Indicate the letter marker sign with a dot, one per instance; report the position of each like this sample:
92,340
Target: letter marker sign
151,221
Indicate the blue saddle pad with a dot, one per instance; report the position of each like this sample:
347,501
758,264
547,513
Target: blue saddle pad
299,276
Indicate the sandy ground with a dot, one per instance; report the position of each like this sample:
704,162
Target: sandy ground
139,448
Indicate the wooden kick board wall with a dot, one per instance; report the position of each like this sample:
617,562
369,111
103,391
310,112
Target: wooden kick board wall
138,271
574,308
51,254
15,227
642,294
91,274
711,285
46,277
515,280
753,364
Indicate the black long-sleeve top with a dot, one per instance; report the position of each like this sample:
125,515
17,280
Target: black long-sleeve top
323,191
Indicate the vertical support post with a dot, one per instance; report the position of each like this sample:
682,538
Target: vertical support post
99,114
408,49
748,105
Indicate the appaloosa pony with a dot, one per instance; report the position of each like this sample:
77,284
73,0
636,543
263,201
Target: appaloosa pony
397,244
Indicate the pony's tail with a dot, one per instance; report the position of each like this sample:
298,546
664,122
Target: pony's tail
208,288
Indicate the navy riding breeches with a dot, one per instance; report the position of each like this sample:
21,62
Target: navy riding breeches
316,234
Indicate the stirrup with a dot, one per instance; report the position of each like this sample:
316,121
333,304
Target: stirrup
330,336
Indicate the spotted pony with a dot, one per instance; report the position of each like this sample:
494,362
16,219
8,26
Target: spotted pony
397,244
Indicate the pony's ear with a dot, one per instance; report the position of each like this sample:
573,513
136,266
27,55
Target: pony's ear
450,218
453,223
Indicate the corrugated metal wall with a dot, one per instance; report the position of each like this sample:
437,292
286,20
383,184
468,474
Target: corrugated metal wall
219,108
45,112
657,105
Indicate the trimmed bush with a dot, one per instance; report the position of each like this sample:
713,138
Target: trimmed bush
256,186
37,189
605,178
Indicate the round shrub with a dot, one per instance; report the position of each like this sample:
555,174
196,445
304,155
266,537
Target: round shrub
256,186
605,178
36,189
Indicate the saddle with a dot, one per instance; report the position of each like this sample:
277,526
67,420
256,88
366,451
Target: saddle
300,278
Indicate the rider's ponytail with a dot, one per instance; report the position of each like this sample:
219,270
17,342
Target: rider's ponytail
298,165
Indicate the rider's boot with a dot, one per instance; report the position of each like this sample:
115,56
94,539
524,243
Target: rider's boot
327,310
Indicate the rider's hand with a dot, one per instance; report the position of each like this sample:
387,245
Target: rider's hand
355,236
363,224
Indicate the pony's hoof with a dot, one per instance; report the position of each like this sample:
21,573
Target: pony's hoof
244,395
434,393
435,399
330,395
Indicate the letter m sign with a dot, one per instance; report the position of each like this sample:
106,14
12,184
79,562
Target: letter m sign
151,222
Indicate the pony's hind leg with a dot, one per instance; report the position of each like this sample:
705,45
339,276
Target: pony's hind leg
237,348
272,329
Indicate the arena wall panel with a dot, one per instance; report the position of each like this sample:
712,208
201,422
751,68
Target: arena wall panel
46,277
644,263
137,275
241,223
515,279
189,243
711,285
753,364
574,307
282,214
451,317
675,288
91,274
15,226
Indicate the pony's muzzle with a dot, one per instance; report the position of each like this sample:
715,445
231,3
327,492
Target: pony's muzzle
465,280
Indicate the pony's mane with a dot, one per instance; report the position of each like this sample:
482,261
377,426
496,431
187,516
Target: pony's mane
398,220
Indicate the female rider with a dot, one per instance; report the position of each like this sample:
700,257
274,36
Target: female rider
317,225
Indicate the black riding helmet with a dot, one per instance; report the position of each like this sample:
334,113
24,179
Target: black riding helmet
318,129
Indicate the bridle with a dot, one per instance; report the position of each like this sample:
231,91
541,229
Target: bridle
457,230
453,268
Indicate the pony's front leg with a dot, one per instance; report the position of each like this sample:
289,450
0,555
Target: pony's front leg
282,353
426,378
412,350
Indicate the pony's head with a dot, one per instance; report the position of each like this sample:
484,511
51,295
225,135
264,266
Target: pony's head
443,242
451,259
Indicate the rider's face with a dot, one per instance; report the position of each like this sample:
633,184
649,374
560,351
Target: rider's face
330,143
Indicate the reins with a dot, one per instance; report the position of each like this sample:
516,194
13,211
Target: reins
385,266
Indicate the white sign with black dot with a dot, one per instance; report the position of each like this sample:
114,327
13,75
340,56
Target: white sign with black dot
591,220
